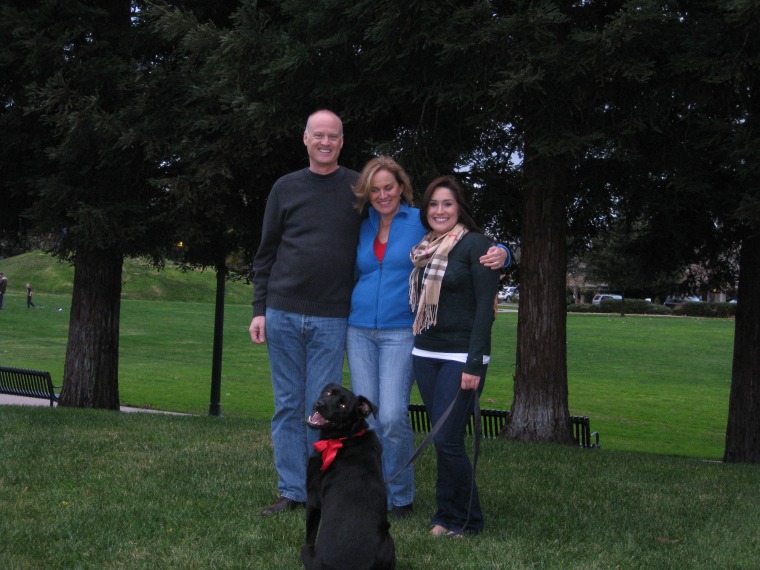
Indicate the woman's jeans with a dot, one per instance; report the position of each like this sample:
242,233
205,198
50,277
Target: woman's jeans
380,361
305,354
458,503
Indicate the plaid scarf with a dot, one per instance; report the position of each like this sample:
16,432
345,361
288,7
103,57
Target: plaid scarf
432,254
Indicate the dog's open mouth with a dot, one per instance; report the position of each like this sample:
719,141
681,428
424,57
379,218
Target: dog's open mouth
317,420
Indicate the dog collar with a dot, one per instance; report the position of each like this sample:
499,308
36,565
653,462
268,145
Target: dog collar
329,448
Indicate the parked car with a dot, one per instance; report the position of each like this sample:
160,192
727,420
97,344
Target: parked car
508,293
673,301
599,297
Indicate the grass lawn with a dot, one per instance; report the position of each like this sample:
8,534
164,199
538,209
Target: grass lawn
97,489
650,384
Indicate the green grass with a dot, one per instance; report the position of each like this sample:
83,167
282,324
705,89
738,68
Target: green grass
50,277
95,489
649,384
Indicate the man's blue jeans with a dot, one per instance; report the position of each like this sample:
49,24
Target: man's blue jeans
305,354
380,361
439,382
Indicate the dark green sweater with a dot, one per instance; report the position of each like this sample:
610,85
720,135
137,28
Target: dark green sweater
466,305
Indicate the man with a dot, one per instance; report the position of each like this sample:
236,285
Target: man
303,277
3,287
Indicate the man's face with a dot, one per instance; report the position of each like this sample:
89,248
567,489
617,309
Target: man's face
323,139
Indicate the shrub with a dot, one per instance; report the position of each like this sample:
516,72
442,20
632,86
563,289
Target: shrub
642,307
631,307
714,310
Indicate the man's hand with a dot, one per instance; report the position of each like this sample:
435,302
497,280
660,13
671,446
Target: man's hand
258,330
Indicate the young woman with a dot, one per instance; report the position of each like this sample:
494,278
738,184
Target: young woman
454,296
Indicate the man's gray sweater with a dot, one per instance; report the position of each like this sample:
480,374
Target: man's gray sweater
305,262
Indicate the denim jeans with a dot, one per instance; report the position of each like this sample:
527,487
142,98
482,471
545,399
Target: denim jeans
458,503
380,362
305,354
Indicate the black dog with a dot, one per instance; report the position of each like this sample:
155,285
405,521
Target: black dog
345,488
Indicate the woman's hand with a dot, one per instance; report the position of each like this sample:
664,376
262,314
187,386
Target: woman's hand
494,258
470,382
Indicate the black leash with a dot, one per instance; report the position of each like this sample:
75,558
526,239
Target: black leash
437,427
475,445
475,452
428,438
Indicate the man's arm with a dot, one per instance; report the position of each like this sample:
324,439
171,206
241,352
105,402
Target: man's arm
262,268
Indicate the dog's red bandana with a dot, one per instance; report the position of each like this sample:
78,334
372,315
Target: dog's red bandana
329,448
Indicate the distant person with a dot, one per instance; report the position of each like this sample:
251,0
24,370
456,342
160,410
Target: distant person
455,298
303,277
3,287
29,302
380,340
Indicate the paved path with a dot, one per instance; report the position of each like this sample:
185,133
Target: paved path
6,400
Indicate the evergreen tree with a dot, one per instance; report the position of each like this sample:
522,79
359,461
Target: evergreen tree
695,197
24,148
568,80
730,85
215,141
83,69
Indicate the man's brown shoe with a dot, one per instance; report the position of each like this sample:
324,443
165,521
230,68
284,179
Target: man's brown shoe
283,504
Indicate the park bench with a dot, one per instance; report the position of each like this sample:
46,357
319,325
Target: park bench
27,383
492,421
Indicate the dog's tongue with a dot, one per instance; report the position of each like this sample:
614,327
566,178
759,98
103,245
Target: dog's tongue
316,419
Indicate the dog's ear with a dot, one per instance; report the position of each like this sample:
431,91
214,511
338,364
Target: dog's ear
366,407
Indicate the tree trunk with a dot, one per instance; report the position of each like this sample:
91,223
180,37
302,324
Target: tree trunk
743,431
90,377
539,410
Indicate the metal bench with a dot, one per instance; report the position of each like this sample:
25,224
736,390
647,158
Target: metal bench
28,383
492,421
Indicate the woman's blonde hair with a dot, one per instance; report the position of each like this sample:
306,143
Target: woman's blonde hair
364,184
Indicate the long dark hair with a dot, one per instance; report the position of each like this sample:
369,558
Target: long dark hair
465,212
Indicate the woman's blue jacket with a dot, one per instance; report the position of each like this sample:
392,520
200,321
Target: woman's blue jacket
380,298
